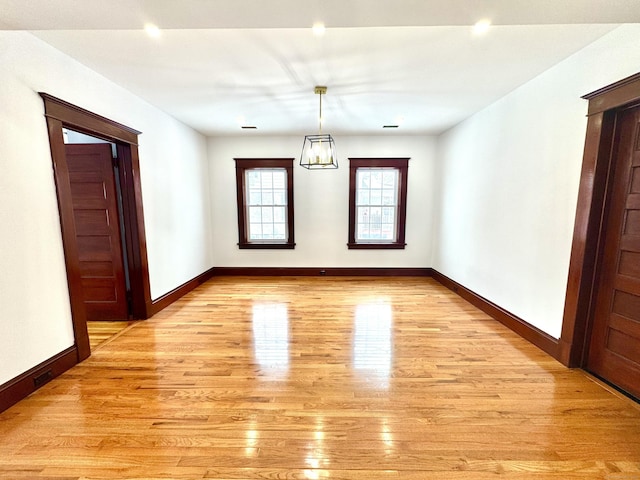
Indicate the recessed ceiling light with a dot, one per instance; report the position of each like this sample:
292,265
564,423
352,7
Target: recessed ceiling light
152,30
481,27
318,29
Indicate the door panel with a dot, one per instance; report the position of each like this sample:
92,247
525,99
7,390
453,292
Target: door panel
614,351
95,212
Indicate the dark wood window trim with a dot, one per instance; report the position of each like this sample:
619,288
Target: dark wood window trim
402,164
604,105
60,114
244,164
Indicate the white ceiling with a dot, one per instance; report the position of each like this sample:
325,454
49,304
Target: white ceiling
218,64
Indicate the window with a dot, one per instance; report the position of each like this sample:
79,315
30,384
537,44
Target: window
265,202
377,202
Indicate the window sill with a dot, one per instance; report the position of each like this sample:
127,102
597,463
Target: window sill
267,246
376,246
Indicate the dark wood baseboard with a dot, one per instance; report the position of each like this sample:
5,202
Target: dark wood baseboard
21,386
170,297
564,354
322,271
527,331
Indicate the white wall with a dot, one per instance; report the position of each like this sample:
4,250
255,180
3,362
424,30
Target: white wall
509,179
321,203
35,320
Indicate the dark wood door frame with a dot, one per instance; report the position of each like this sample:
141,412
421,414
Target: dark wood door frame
59,115
589,224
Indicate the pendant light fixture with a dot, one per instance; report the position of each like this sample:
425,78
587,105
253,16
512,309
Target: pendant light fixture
319,151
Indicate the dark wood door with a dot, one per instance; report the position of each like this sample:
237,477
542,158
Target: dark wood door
97,225
614,351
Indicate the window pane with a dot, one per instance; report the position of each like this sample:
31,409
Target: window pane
267,231
363,197
253,179
279,215
376,215
267,215
266,176
388,215
255,231
389,178
280,179
388,197
279,197
363,215
255,197
255,215
387,232
279,231
376,179
267,197
363,178
375,197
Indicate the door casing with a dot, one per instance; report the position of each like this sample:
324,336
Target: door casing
589,225
60,114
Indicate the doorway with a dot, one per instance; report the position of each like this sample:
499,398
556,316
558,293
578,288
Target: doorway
601,329
96,225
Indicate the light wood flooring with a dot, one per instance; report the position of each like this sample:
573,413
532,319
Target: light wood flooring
321,378
101,332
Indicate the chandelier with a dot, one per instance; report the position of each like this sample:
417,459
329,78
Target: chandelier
319,151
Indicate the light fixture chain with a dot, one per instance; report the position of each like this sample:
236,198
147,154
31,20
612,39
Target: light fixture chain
320,120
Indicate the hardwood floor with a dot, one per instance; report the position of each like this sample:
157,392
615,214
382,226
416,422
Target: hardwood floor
101,332
321,378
